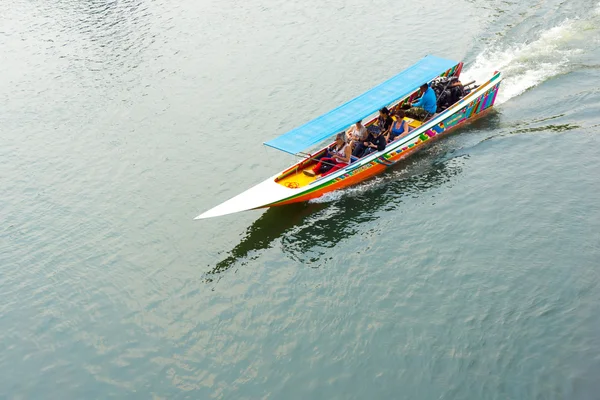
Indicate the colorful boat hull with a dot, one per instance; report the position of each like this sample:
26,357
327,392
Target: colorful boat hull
270,193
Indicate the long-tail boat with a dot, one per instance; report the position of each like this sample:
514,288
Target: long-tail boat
293,185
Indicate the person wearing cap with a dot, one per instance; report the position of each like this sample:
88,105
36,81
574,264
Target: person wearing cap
375,142
425,107
340,158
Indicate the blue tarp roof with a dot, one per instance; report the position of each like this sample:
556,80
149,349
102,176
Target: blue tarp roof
342,117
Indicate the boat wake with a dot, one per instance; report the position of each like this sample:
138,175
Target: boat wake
350,191
528,64
554,51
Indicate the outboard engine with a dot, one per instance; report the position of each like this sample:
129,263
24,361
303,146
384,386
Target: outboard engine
447,94
469,87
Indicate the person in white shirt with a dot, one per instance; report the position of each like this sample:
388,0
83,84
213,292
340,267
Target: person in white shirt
357,133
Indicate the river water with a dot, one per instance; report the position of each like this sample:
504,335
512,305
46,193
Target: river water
470,271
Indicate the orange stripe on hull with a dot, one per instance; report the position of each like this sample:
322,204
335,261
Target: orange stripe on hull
352,180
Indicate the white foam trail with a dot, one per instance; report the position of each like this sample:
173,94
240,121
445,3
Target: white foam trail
523,66
328,197
526,65
350,191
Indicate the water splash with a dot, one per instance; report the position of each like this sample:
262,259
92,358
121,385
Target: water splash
336,195
523,66
529,64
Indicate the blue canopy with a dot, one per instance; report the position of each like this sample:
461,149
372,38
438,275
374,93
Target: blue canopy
342,117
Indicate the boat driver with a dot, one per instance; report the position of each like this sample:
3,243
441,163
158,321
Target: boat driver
425,107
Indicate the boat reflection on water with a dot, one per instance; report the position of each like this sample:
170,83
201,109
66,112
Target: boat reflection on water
366,203
306,230
274,223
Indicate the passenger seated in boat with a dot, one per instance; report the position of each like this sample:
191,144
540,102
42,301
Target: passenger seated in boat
399,127
384,121
375,142
340,158
356,133
425,107
328,150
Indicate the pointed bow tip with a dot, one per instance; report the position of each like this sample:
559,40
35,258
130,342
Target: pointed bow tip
215,212
203,216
